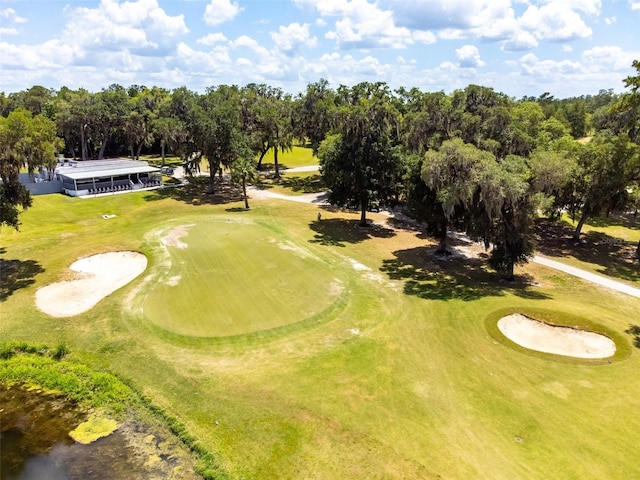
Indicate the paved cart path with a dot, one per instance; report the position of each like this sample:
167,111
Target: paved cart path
588,276
321,198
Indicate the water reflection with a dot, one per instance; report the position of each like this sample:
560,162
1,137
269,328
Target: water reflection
35,445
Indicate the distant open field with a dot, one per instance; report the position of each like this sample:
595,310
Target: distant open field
298,156
297,348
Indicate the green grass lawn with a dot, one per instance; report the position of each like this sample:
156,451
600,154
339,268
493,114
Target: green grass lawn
607,247
297,348
259,274
156,160
624,227
298,156
293,183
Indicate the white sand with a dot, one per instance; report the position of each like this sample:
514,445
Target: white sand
173,237
97,276
542,337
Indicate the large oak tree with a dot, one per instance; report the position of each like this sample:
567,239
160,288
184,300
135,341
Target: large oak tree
359,161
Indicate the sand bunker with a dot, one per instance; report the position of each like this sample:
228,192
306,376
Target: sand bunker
97,276
566,341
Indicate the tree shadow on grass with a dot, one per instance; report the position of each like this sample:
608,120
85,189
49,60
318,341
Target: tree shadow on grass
299,184
427,277
400,223
614,256
626,220
310,184
16,274
194,192
634,331
338,232
270,167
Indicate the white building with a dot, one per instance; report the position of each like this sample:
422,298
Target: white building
92,177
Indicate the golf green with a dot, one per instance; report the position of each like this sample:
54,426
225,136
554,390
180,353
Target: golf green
228,277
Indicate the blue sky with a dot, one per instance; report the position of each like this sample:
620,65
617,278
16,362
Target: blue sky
519,47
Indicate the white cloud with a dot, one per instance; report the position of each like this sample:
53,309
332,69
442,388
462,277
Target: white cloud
112,42
292,37
141,27
592,72
366,24
212,39
138,42
220,11
452,34
608,59
9,31
348,70
443,14
10,15
500,28
590,7
424,37
545,69
360,24
330,7
469,57
496,20
49,55
244,41
554,21
449,76
520,41
194,61
635,4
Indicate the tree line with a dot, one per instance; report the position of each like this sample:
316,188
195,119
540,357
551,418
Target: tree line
474,159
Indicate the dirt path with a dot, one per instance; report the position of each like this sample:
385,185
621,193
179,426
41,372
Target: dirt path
320,198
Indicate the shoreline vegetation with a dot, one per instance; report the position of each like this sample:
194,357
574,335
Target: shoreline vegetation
99,394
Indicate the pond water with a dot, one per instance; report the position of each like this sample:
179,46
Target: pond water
35,444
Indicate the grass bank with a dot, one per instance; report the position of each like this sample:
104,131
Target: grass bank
46,369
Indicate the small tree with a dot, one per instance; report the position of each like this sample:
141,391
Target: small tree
44,145
312,113
608,166
243,170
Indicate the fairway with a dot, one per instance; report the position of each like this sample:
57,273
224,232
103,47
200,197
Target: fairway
231,276
291,347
